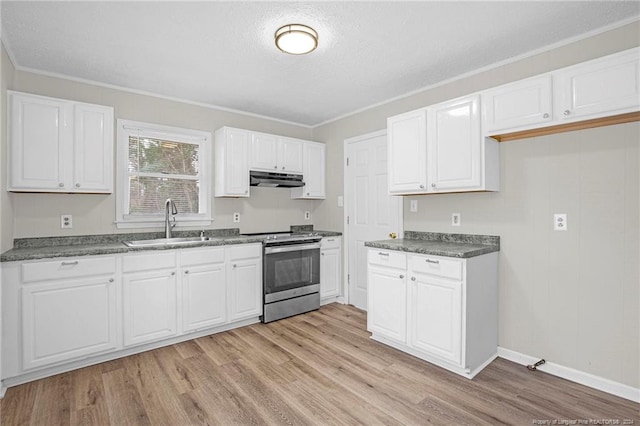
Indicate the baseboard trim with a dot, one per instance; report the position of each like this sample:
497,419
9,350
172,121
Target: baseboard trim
587,379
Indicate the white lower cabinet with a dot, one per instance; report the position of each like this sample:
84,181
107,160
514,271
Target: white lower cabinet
245,281
443,310
204,288
330,271
150,287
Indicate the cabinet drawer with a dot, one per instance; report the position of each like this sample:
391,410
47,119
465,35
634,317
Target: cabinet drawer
439,266
245,251
145,262
330,242
68,268
202,256
392,259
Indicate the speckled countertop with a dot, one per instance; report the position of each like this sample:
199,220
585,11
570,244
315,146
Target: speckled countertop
93,245
440,244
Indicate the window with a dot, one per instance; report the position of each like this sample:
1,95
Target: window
159,162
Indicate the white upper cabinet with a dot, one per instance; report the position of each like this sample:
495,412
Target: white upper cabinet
441,149
597,88
313,170
454,147
518,105
232,162
407,152
275,154
57,145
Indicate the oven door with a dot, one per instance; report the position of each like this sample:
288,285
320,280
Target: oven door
291,270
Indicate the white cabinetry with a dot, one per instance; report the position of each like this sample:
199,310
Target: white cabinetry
330,271
275,153
245,281
57,145
526,103
69,310
440,309
407,152
313,170
387,294
600,88
604,86
441,149
231,162
204,288
150,297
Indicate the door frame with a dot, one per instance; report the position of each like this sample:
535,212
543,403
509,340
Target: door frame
347,201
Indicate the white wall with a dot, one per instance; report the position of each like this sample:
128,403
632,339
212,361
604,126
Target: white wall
572,297
6,213
39,214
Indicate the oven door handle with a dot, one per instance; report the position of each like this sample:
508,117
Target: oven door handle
292,247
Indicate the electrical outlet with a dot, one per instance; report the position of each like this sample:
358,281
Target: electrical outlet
307,215
66,221
560,222
236,217
455,219
413,206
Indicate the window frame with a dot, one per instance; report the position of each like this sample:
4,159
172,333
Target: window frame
127,128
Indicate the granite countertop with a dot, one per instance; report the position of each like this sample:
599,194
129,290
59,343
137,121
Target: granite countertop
440,244
93,245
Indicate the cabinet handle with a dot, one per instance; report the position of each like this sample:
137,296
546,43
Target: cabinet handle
437,262
546,115
77,185
75,262
383,254
401,276
61,185
421,186
330,240
566,112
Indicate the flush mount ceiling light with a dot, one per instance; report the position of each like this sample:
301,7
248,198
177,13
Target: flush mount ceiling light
296,39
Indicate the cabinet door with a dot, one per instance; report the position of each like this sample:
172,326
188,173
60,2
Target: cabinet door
232,163
66,320
204,296
387,303
290,155
455,145
313,171
518,105
599,88
40,143
407,148
245,289
330,268
93,148
149,306
435,317
263,152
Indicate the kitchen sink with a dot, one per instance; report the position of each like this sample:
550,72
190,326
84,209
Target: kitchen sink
166,241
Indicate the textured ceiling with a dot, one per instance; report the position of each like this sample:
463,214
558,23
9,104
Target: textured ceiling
222,53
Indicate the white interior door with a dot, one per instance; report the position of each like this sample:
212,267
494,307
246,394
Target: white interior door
371,214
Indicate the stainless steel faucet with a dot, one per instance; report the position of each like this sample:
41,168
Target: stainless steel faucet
170,209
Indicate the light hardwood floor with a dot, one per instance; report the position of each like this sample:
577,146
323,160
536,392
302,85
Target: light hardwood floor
317,368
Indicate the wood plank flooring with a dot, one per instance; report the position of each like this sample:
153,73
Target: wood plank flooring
319,368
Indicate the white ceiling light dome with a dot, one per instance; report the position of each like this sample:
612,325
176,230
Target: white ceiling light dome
296,39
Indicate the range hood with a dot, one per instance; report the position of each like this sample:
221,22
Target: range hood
273,179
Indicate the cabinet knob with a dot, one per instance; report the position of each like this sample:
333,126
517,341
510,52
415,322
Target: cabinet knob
61,185
282,167
421,186
566,112
401,276
275,167
433,185
307,193
413,278
110,280
173,273
235,266
77,185
246,191
546,115
322,254
186,272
